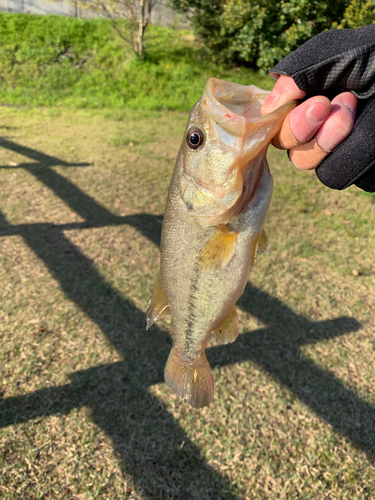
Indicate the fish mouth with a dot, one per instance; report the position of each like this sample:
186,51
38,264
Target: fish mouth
234,116
234,112
233,107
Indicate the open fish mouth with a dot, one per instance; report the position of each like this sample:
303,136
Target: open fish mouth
234,112
232,106
236,136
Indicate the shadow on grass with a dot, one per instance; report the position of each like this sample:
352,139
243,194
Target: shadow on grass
145,435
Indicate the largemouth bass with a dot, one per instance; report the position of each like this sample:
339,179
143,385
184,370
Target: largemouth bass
217,203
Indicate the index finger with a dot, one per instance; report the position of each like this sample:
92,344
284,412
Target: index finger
284,90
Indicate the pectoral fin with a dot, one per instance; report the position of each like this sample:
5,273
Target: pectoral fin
262,242
158,305
219,251
227,331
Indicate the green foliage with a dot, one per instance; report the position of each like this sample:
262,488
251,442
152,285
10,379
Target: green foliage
53,61
359,13
262,32
205,17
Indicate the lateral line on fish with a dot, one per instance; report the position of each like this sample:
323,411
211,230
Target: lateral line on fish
188,340
189,337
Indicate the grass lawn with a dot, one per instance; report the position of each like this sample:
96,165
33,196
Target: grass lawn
60,61
84,411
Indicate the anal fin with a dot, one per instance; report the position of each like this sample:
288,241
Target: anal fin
158,305
227,331
219,250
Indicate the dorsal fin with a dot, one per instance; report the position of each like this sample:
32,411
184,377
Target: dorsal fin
259,246
262,242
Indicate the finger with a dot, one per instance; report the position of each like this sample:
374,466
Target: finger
284,90
302,123
334,130
339,123
308,156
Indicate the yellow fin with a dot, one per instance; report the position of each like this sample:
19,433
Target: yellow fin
227,331
158,305
253,253
219,251
262,242
260,246
191,380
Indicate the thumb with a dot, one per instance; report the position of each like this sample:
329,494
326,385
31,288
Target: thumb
284,90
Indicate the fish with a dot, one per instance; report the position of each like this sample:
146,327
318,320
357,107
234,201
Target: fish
217,202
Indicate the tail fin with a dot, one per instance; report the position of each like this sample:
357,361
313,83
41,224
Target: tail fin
191,380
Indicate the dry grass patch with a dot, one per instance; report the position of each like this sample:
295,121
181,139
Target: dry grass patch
84,411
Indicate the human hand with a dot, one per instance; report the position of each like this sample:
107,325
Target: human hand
314,128
340,143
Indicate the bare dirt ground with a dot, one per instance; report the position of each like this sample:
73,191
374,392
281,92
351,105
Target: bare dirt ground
84,411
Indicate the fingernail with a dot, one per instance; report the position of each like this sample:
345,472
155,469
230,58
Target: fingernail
318,111
269,103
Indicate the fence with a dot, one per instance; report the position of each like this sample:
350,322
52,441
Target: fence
162,15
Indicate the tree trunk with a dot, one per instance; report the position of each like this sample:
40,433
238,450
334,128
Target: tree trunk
138,13
140,27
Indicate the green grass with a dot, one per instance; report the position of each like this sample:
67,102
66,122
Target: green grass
84,411
58,61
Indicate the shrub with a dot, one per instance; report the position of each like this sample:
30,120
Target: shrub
262,32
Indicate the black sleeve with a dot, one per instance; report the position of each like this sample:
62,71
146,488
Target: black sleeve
344,58
341,60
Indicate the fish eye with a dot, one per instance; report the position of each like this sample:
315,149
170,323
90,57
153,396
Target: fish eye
194,138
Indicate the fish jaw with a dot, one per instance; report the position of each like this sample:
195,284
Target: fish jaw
210,207
213,177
